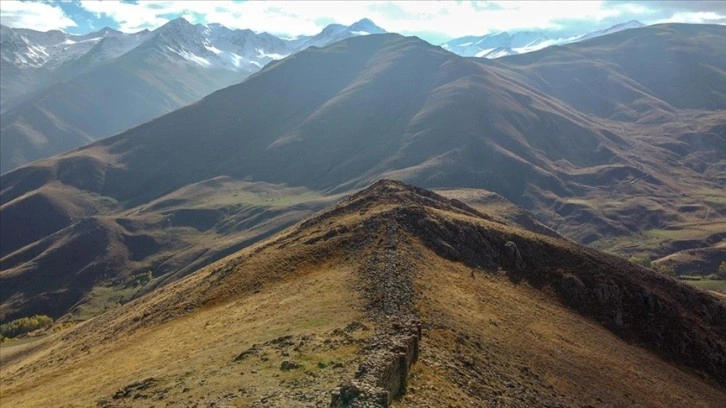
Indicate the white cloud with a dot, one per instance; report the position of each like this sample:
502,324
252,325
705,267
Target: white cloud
698,17
448,18
308,17
130,17
37,16
467,18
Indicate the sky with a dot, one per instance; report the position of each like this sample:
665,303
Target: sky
434,21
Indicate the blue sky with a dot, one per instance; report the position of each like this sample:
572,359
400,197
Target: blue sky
435,21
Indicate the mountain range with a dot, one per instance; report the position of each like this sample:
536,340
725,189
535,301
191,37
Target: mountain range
607,142
265,246
61,91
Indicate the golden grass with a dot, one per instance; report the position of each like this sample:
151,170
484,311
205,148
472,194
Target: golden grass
194,352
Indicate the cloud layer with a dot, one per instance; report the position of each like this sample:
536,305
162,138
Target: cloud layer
35,15
443,19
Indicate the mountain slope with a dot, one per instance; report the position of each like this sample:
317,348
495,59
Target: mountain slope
623,75
396,292
84,88
641,83
248,139
332,120
137,87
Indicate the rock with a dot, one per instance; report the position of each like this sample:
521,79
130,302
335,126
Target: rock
289,365
355,326
514,256
134,389
250,351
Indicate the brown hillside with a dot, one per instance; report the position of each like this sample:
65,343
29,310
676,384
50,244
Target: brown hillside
621,76
394,294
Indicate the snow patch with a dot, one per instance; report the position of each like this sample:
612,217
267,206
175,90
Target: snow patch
213,49
262,54
191,57
483,53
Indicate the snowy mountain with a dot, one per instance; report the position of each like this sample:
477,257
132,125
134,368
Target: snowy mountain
33,60
207,45
34,49
337,32
60,91
472,46
503,44
219,47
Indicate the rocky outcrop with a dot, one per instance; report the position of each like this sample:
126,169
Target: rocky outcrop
679,323
654,317
515,257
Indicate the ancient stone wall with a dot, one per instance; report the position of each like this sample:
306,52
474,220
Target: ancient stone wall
382,375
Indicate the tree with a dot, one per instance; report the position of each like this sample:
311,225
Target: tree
722,270
24,325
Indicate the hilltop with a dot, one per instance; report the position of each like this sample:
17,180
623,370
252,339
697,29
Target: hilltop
394,294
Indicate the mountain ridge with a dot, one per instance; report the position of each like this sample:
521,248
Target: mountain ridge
395,292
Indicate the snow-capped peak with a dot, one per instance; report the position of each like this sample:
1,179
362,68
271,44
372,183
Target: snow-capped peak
366,26
35,49
211,46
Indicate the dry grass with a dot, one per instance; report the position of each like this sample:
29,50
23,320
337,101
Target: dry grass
527,350
196,352
717,287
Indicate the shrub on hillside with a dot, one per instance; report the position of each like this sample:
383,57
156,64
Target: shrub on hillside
140,279
665,269
24,325
641,260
